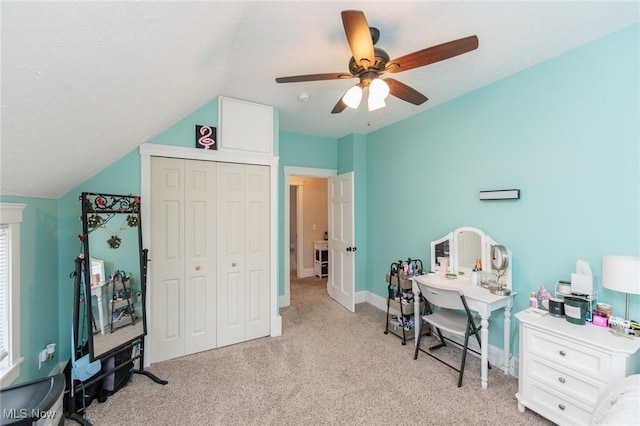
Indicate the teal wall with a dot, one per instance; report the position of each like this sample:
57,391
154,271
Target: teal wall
182,133
565,132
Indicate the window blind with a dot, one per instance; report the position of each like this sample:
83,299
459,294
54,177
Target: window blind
4,293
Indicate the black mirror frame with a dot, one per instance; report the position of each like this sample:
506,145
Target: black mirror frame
111,204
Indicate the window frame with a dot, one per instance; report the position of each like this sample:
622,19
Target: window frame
11,216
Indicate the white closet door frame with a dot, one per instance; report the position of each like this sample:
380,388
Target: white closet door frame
148,150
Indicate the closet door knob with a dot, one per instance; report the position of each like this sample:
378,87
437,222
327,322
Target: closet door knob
233,264
197,268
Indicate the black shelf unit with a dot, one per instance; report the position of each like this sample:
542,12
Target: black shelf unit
400,298
122,312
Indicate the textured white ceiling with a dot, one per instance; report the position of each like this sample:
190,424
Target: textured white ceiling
84,83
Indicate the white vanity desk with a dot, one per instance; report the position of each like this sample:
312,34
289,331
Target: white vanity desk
98,291
479,300
459,251
98,287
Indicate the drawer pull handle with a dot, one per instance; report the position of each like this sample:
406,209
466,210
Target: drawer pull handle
561,379
561,406
562,353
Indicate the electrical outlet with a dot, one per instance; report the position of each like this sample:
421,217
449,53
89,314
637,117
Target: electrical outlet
42,357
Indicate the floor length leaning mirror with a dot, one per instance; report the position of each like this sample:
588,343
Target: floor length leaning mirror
115,275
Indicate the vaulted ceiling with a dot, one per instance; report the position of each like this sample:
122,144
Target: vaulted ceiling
84,83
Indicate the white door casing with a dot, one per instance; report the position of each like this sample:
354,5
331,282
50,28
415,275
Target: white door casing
293,176
341,283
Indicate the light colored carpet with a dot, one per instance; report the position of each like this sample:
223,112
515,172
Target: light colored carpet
329,367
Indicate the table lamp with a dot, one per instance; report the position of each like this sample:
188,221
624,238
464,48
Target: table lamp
622,273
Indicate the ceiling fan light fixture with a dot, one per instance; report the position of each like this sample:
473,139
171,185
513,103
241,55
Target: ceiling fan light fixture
375,103
353,97
379,89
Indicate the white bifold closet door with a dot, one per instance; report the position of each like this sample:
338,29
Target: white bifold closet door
243,253
183,257
210,263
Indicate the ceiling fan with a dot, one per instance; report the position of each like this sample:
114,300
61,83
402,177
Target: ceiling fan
368,63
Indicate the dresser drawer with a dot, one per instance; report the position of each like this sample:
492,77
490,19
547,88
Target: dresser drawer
555,407
570,354
566,382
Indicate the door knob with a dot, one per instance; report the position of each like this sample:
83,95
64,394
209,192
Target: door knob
233,264
348,248
197,268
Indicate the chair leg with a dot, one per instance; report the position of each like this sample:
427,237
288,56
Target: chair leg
441,344
464,357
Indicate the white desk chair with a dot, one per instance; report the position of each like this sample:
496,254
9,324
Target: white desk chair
453,316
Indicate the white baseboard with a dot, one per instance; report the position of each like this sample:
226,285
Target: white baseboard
284,301
58,368
307,272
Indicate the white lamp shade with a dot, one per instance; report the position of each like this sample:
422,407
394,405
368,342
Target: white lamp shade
379,89
621,273
353,97
375,103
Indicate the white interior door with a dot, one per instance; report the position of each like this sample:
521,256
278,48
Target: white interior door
243,253
341,283
231,243
257,266
200,256
182,257
167,259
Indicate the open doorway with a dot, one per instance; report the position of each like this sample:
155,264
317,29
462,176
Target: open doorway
306,220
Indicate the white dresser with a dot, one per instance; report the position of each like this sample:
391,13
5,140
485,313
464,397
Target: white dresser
565,367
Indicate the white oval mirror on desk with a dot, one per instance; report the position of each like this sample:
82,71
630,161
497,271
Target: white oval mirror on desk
441,249
468,245
463,247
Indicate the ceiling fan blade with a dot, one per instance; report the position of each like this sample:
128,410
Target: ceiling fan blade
359,37
432,54
404,92
340,106
313,77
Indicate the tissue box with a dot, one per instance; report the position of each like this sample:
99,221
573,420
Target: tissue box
581,284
